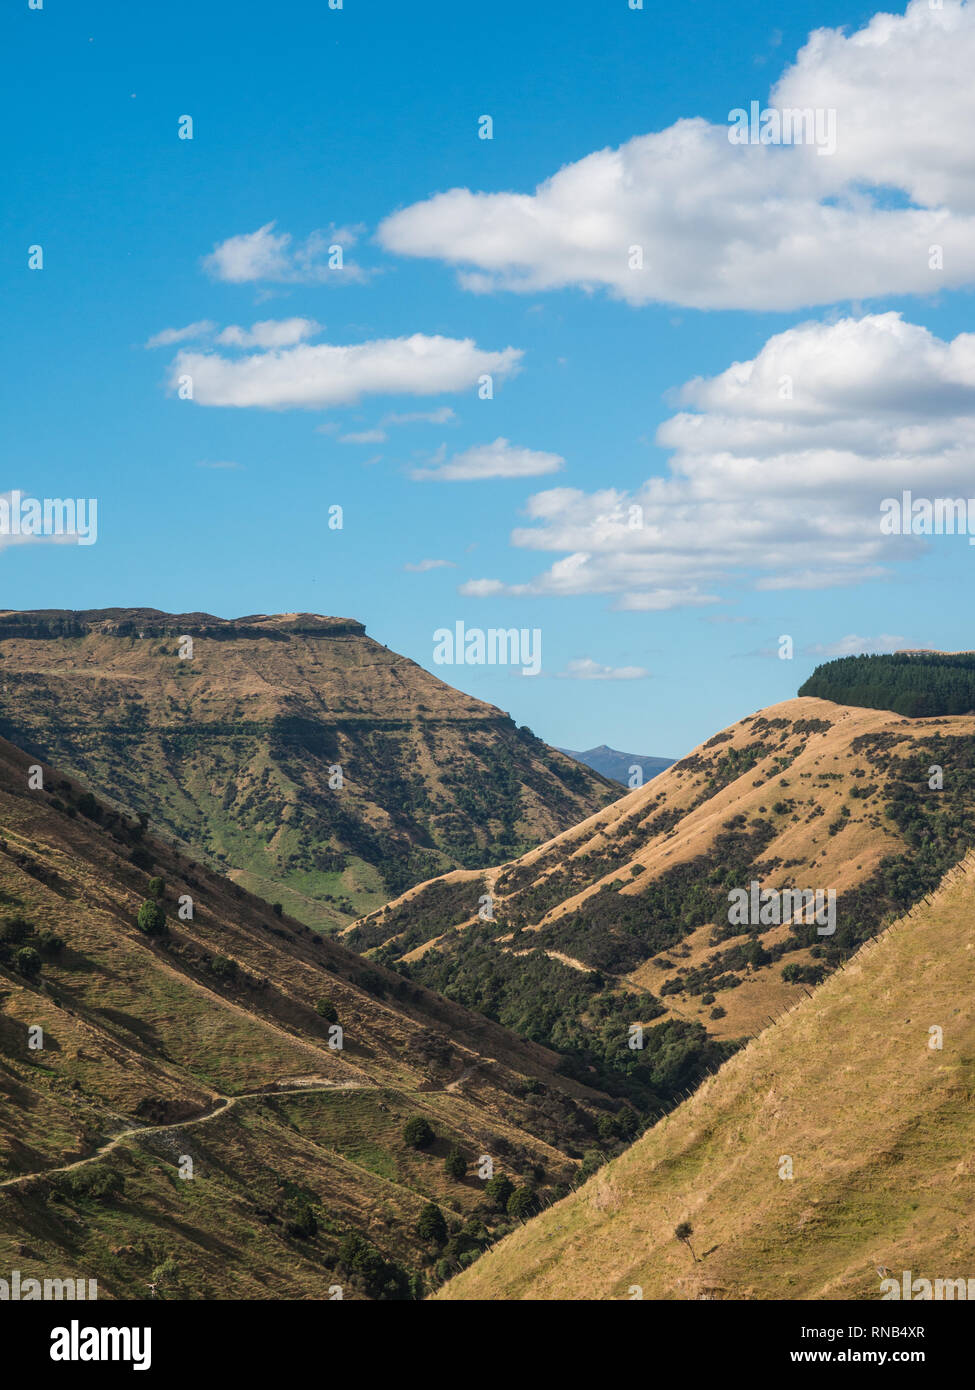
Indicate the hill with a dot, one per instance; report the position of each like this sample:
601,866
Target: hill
834,1151
619,766
126,1050
626,918
918,683
312,764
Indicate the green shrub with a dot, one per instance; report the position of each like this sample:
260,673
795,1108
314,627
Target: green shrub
157,887
15,930
455,1164
417,1133
521,1204
497,1190
152,918
27,962
327,1010
300,1220
431,1224
94,1180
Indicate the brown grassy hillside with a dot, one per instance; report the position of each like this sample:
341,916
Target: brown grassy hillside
878,1125
624,918
234,751
207,1041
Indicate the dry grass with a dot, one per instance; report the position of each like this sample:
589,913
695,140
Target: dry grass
878,1126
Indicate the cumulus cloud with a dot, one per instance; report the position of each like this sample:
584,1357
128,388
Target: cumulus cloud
276,258
684,216
776,475
502,459
585,669
315,376
269,333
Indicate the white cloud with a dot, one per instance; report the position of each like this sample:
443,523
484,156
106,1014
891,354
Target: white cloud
423,566
752,226
169,336
314,376
278,259
498,460
859,646
767,491
585,669
442,416
269,333
364,437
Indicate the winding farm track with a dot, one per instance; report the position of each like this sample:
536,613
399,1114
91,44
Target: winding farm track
225,1103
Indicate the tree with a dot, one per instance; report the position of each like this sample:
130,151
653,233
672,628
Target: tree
522,1203
300,1219
683,1233
455,1164
498,1190
592,1161
152,918
431,1225
28,962
417,1133
606,1128
157,887
327,1010
15,930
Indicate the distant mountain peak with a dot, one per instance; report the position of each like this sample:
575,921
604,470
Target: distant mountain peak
611,762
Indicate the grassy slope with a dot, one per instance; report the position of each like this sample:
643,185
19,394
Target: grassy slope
677,818
878,1125
142,1032
231,751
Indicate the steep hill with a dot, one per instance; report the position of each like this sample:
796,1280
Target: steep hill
619,766
624,919
126,1050
835,1151
311,763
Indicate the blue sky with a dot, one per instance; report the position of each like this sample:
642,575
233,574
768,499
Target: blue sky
314,127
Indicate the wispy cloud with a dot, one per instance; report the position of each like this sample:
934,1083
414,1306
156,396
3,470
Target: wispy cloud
276,258
202,329
422,566
416,417
364,437
860,646
498,460
269,333
585,669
